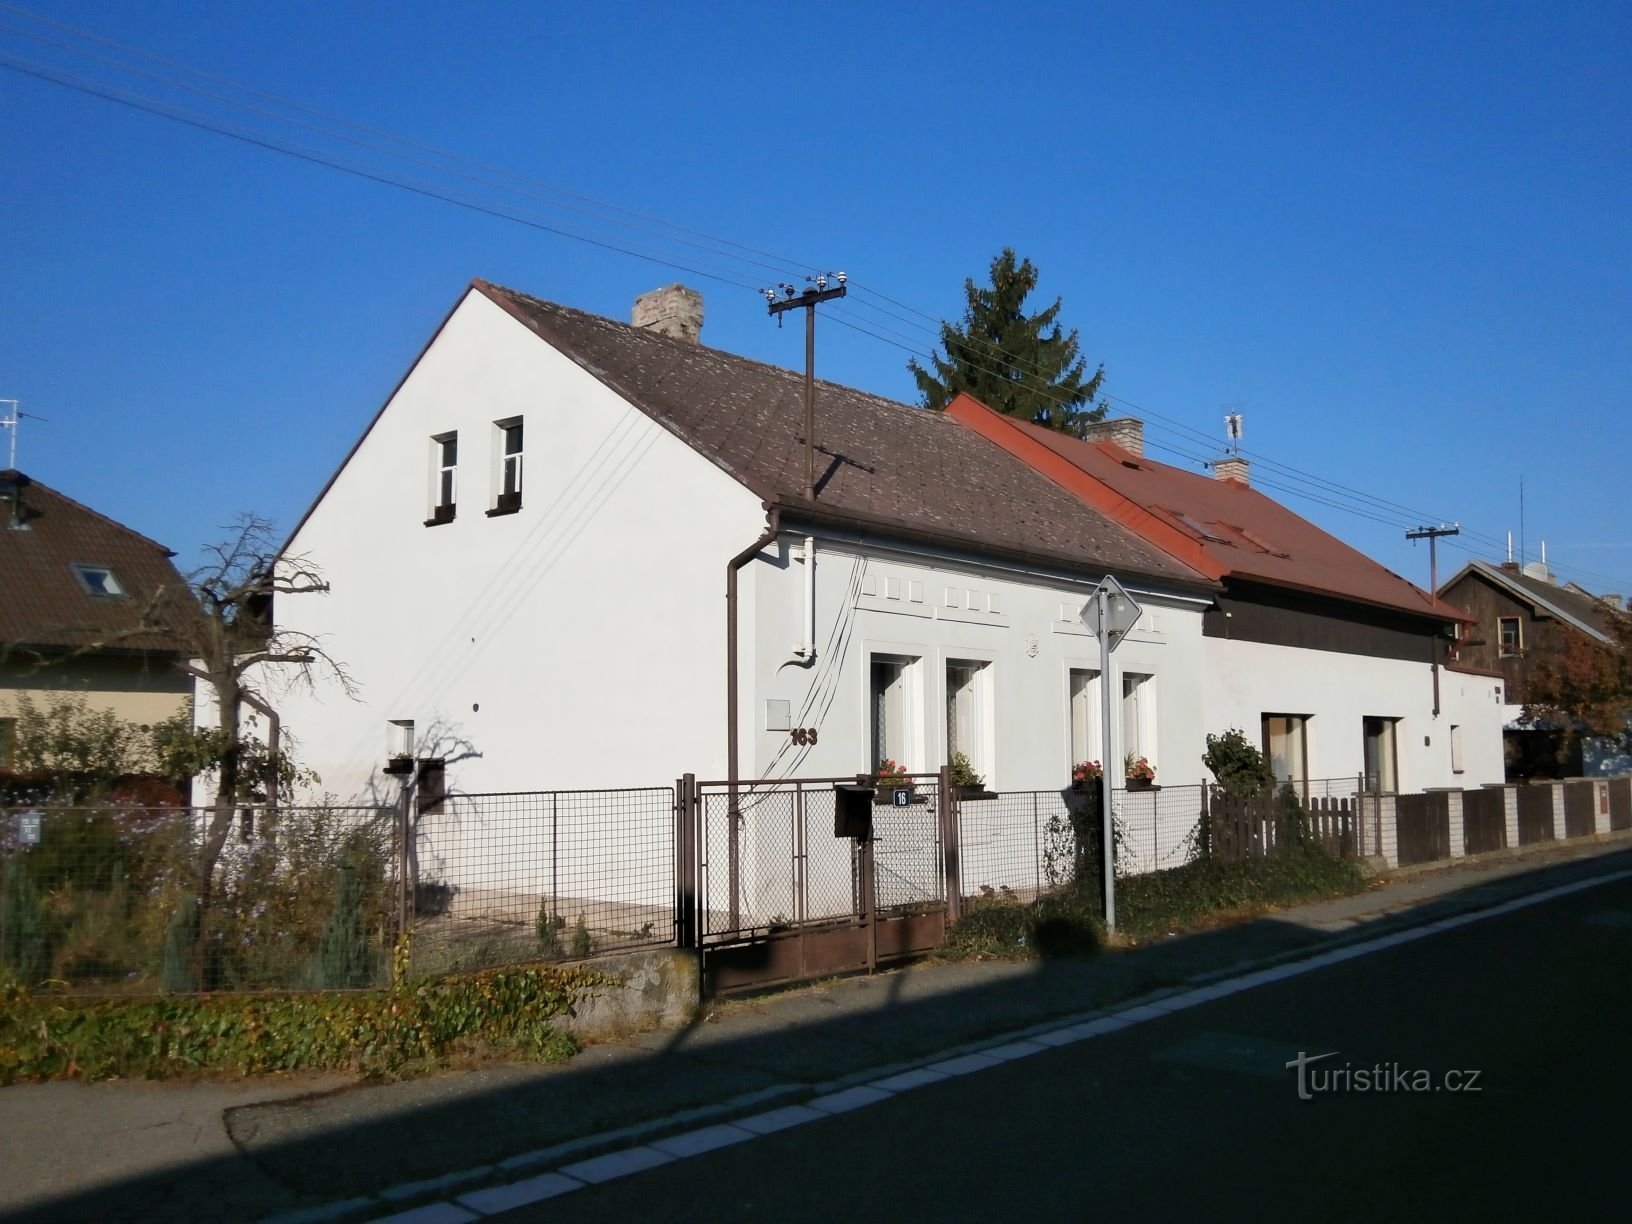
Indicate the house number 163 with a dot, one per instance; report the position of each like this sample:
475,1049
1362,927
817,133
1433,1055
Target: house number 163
803,735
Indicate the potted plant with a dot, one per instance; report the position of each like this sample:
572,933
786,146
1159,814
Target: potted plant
1085,775
888,778
1141,774
965,780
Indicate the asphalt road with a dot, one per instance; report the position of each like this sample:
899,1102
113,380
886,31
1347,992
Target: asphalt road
1195,1116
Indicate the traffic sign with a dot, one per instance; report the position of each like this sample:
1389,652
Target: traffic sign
1118,610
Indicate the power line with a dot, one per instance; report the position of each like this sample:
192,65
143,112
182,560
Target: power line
1320,490
406,142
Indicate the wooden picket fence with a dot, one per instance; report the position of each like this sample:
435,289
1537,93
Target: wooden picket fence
1256,826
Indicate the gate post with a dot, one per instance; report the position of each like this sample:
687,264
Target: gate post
946,813
869,902
685,863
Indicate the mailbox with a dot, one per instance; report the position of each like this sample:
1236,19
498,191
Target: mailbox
853,810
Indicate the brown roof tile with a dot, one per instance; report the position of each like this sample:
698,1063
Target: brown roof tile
43,603
877,461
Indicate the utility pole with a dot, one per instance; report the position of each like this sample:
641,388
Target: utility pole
1432,534
816,291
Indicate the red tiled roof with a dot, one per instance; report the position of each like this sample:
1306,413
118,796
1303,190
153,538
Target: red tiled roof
43,603
1223,528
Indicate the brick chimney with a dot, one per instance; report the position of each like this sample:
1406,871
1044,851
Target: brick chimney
1232,467
672,310
1126,432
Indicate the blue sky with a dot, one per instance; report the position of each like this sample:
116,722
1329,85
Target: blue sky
1396,237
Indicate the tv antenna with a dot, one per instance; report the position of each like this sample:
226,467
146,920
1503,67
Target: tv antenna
1234,427
13,420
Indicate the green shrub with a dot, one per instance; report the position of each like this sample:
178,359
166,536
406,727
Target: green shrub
582,944
180,945
1163,901
547,926
1061,923
24,947
345,961
1238,765
414,1024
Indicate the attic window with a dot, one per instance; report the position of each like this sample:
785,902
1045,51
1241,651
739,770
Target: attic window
1198,528
98,580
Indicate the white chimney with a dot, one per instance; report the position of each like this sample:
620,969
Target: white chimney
672,310
1126,432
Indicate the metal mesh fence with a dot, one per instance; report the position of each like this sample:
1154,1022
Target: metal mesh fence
119,899
542,875
1156,827
1014,844
769,859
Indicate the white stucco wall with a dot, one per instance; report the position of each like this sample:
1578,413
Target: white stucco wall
1337,692
577,643
936,609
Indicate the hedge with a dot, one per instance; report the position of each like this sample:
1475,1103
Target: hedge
378,1032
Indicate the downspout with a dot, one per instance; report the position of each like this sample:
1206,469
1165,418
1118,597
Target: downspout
732,763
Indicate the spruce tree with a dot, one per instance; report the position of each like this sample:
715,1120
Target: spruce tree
344,959
1017,364
23,947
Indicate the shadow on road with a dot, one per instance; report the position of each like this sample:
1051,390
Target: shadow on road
303,1153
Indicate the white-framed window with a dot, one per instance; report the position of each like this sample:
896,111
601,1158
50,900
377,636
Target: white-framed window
444,476
1382,755
507,465
968,706
1510,635
1138,716
1286,747
1457,765
891,703
98,580
1085,732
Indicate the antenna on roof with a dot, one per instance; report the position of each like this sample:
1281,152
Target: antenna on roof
1234,427
12,420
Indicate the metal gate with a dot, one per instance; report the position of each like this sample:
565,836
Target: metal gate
767,893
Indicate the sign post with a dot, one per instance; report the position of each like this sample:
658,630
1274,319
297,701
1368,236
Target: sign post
1109,613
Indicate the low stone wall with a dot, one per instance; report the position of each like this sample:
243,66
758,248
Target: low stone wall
653,989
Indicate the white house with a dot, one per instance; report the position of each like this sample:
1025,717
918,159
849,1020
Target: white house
541,546
1337,666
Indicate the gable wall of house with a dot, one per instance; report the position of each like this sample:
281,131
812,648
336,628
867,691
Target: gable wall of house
1018,630
1542,636
578,642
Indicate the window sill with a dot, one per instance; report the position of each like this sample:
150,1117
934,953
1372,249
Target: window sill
439,516
501,511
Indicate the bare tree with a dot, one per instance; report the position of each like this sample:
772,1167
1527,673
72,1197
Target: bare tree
232,634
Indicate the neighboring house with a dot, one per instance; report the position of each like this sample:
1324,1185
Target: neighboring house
1520,619
541,546
75,588
1335,664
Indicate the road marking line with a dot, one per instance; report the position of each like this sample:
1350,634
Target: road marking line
518,1194
964,1064
616,1164
432,1213
707,1139
850,1098
909,1079
773,1120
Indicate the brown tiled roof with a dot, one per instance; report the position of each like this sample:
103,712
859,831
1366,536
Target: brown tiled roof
1223,527
44,605
879,463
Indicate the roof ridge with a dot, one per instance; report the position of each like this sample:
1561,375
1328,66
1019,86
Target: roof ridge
698,346
14,473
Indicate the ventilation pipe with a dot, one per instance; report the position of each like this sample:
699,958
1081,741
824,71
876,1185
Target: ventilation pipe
806,652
